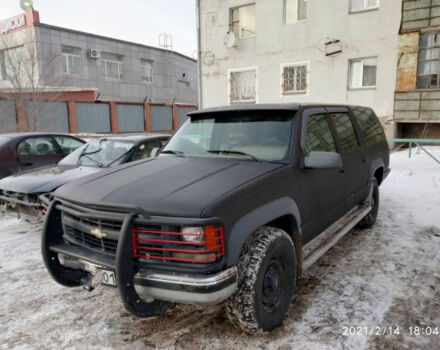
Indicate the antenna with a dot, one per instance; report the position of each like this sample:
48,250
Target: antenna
26,5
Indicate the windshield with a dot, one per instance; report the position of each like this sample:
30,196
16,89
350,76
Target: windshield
257,136
99,153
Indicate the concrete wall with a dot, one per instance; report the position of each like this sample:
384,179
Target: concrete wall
167,85
365,34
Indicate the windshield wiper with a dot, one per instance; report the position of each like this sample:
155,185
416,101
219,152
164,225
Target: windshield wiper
235,152
170,151
97,162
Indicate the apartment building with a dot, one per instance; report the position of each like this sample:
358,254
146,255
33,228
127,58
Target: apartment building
417,99
276,51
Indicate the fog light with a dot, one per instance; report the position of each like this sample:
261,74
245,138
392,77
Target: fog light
193,234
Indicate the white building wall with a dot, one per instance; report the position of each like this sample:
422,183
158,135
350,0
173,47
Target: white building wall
365,34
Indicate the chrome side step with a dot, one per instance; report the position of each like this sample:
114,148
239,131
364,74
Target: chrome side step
318,246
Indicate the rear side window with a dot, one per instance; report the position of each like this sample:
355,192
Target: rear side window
346,134
370,125
37,146
319,136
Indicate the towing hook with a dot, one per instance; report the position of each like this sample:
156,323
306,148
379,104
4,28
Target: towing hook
86,282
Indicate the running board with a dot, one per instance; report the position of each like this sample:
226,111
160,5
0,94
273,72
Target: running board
318,246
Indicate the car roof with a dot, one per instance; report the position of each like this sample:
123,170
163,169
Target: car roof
262,107
25,134
135,137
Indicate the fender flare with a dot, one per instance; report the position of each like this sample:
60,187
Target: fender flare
258,217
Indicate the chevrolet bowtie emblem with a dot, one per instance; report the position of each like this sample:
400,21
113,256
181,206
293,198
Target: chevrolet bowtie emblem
98,233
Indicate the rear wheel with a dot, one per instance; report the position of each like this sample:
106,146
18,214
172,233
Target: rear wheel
266,280
370,219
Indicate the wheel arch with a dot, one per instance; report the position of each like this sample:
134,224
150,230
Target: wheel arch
282,213
377,170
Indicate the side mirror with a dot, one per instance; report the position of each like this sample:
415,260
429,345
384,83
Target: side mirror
323,160
155,152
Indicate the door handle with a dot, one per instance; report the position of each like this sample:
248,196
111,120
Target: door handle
27,164
342,170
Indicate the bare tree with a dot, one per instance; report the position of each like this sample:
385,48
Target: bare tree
30,78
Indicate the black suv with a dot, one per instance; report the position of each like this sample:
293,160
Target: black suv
237,205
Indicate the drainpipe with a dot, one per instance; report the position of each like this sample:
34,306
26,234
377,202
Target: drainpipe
199,55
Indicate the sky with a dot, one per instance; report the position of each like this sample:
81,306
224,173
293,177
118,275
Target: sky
140,21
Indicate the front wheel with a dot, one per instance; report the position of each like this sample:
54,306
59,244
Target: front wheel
370,219
266,280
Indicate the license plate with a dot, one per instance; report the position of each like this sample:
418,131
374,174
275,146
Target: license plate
108,278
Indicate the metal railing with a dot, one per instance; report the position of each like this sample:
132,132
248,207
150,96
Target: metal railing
418,143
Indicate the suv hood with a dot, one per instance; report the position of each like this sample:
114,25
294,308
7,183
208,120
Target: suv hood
167,186
44,180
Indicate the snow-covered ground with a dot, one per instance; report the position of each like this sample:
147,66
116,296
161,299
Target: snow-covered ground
388,276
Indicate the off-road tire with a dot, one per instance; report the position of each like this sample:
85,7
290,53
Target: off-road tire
370,219
266,280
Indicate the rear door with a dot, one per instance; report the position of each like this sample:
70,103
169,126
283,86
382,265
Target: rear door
322,190
34,152
354,157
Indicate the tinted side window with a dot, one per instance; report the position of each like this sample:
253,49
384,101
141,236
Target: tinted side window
345,130
319,136
370,125
68,144
37,146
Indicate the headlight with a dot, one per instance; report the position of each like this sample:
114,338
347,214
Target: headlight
193,234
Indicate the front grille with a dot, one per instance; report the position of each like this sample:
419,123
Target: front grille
78,231
85,239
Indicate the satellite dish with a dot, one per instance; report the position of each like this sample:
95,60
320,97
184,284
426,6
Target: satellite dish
230,40
26,5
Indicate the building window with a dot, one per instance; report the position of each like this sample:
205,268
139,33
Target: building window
294,77
363,5
242,21
363,73
147,71
71,60
243,86
295,10
113,66
428,72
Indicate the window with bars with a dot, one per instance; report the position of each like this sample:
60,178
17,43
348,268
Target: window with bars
242,21
294,78
363,5
243,86
113,66
147,71
71,60
363,73
428,70
295,10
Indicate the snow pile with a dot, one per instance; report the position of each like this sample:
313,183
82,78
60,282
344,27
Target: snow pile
387,276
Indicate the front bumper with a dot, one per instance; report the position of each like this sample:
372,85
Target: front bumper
139,285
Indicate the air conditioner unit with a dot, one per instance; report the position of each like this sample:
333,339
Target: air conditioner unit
94,53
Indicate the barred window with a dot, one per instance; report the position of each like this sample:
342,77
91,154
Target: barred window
294,78
243,86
